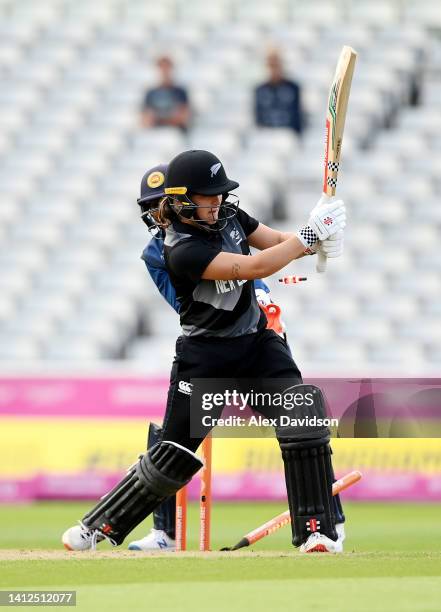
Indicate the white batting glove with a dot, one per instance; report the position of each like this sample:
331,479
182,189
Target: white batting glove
333,246
325,220
324,199
328,219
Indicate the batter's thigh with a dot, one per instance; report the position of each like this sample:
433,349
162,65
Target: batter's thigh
188,363
271,358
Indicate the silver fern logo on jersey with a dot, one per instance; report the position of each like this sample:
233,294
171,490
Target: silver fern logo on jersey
235,235
215,169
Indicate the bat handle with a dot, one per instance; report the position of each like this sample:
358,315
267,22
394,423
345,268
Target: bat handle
322,260
322,263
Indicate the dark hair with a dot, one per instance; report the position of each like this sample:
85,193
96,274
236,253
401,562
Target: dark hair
165,213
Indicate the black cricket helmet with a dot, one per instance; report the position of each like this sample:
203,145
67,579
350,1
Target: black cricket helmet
200,172
152,192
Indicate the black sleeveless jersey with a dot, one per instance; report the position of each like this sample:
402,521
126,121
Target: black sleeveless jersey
212,308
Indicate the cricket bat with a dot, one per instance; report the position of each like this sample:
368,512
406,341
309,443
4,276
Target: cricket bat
335,123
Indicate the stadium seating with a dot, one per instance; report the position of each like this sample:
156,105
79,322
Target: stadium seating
72,286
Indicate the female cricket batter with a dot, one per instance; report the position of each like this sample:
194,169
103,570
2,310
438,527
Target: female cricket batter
162,535
207,255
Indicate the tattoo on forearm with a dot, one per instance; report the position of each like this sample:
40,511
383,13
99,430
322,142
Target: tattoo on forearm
235,270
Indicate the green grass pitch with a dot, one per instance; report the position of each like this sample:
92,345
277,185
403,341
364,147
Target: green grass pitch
392,562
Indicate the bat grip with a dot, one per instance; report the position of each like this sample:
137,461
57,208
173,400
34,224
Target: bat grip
322,263
322,260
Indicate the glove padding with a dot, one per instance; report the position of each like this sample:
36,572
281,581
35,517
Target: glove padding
332,246
324,199
327,219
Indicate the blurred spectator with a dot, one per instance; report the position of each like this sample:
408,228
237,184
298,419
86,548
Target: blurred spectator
277,102
166,104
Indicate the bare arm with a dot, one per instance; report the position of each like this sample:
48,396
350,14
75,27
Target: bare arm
229,266
147,118
181,116
264,238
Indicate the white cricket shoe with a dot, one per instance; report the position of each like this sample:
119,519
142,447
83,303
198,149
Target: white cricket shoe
340,529
156,540
81,538
317,542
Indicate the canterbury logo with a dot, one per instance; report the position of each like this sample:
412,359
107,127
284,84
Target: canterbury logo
185,387
215,169
327,221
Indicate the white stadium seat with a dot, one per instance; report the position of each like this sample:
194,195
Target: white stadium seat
50,303
19,349
71,349
407,355
7,308
319,12
423,12
374,13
